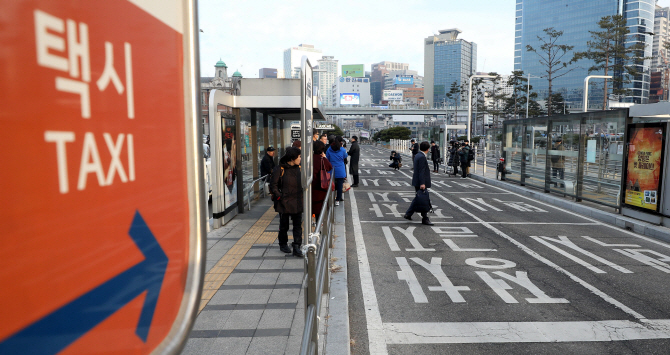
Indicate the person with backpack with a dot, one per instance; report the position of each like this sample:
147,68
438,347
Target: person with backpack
396,160
454,160
286,189
464,154
318,192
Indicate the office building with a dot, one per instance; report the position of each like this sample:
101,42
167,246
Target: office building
377,77
349,92
576,18
661,31
293,59
326,79
447,59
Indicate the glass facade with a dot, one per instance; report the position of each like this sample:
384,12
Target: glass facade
579,155
576,18
454,61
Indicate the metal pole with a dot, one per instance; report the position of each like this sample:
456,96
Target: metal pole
586,88
527,95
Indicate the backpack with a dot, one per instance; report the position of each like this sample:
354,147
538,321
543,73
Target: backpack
471,154
555,159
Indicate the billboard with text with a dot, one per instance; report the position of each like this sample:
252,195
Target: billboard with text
403,80
392,95
350,99
353,70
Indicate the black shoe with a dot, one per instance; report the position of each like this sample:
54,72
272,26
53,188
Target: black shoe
355,185
285,248
407,217
296,251
426,221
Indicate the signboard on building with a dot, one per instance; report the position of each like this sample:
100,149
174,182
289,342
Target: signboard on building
359,124
353,70
392,95
403,80
102,197
324,126
644,166
350,99
365,134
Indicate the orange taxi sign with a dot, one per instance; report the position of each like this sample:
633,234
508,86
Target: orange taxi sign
101,182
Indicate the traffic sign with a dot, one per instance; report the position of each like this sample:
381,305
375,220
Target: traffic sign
359,124
101,178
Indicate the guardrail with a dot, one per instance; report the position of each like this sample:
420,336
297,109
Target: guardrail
250,187
318,272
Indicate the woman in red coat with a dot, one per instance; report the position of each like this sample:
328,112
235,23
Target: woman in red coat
319,194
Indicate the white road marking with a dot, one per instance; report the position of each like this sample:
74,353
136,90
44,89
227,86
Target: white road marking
407,274
524,332
455,247
376,336
435,268
549,263
611,245
567,242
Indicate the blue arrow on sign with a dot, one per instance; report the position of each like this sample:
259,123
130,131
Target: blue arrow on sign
65,325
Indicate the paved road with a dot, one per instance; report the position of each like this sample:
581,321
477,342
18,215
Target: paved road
498,273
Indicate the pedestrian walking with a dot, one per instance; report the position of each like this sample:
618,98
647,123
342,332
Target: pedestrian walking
435,156
337,157
420,181
268,163
454,160
354,153
414,148
464,156
286,188
321,163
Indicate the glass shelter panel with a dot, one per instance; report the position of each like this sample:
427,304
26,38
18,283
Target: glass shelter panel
563,155
512,144
535,152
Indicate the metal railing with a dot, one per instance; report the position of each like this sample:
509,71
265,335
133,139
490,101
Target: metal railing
317,256
250,187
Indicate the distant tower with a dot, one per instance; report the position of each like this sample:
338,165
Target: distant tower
221,70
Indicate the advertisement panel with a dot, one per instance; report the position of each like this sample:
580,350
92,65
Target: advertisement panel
392,95
353,70
644,166
350,99
403,80
228,125
365,134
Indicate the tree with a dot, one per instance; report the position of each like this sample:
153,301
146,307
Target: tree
557,102
515,104
609,53
336,132
455,93
551,55
393,133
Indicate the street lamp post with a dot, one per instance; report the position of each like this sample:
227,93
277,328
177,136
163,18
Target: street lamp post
470,100
586,88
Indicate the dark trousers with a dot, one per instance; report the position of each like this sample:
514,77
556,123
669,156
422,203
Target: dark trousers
410,210
436,165
558,171
283,228
338,187
455,169
464,169
356,179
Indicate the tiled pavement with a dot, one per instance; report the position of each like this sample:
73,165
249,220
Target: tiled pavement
252,299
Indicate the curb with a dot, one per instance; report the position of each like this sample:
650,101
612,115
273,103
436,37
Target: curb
337,331
631,224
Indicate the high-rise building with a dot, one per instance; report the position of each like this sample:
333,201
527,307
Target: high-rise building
350,92
293,59
327,78
377,76
661,37
447,59
576,18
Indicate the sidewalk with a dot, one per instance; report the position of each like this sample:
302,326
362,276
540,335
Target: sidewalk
252,300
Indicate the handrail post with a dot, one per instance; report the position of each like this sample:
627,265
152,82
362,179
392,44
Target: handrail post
311,293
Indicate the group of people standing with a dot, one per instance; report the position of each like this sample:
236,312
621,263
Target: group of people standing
285,184
460,154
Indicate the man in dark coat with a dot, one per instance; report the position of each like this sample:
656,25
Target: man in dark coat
268,163
435,156
414,147
286,189
354,153
420,180
464,155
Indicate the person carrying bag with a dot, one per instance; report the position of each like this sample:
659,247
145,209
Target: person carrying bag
421,182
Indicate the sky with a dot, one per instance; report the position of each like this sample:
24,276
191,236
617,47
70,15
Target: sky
252,34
